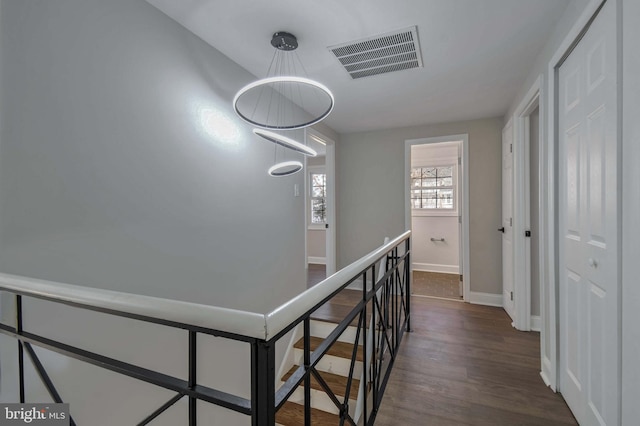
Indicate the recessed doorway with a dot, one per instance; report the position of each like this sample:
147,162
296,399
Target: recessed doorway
435,212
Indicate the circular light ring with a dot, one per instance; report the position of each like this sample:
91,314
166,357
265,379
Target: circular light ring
286,142
285,168
284,79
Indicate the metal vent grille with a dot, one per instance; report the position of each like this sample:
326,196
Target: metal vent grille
399,50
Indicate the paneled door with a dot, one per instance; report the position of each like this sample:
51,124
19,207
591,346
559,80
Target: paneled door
588,225
507,221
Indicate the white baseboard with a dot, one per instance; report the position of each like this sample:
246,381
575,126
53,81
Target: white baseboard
317,260
488,299
536,323
433,267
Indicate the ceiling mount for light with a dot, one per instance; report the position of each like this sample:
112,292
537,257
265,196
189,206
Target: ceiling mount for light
286,99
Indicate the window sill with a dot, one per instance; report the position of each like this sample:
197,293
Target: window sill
435,213
318,227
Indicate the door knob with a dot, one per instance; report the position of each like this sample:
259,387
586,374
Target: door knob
592,262
501,229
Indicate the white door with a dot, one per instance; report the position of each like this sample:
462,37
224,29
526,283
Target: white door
507,220
588,225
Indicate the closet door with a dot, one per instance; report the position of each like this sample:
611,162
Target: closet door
588,225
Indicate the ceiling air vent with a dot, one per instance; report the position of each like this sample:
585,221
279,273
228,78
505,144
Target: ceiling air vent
395,51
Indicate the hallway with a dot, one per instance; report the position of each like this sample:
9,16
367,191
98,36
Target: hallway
465,365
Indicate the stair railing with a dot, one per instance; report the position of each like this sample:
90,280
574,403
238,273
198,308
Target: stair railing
386,301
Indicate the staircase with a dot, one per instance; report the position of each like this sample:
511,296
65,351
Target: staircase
334,370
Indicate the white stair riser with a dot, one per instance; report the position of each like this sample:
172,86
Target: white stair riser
332,364
323,329
321,401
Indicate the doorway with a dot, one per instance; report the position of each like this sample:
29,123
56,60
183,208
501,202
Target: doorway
320,208
435,211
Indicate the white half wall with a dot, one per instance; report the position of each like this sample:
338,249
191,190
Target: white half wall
125,167
435,256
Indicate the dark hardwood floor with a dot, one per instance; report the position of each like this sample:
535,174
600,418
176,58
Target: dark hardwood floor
465,365
462,364
315,274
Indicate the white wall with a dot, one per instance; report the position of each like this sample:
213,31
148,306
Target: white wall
370,193
123,166
630,211
435,256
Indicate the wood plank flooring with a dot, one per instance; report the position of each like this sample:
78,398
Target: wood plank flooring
465,365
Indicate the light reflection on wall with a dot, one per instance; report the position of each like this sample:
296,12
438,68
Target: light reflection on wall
219,126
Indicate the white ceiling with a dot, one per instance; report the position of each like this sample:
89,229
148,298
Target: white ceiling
476,53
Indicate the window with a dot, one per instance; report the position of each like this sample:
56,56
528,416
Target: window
433,187
318,198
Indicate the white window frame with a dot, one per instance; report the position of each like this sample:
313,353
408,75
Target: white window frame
443,162
314,170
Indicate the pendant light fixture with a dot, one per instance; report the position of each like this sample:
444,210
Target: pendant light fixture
284,101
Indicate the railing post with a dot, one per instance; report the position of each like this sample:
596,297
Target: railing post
20,347
263,392
407,278
193,374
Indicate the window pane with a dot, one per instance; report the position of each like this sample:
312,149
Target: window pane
430,194
416,183
429,172
444,171
445,198
317,192
416,203
445,181
318,214
429,182
429,203
416,173
318,217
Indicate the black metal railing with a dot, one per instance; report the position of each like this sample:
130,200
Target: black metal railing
381,315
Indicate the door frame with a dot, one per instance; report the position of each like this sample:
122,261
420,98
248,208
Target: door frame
550,181
464,199
521,205
330,171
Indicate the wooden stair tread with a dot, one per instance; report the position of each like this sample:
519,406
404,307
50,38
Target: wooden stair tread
292,414
337,383
338,349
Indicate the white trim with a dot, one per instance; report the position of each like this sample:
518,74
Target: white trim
330,170
317,260
550,184
536,323
487,299
434,267
545,379
212,317
463,197
521,207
